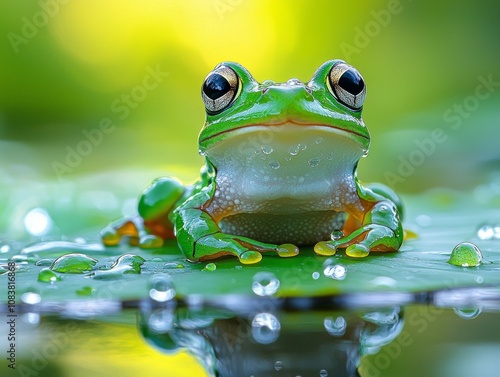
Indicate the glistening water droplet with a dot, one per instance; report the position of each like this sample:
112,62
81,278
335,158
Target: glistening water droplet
485,232
335,326
265,284
274,164
266,149
46,275
161,288
278,365
75,263
313,162
334,271
466,254
265,328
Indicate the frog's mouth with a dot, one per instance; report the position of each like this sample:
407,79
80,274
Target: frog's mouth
287,154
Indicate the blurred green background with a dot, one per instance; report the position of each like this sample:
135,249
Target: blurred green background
65,65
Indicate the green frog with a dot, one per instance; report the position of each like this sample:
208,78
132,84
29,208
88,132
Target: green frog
281,161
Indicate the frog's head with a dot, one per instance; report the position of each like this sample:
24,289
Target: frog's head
246,119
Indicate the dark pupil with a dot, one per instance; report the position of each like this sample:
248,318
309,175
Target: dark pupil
216,86
352,82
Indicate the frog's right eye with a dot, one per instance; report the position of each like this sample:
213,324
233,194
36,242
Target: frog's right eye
219,89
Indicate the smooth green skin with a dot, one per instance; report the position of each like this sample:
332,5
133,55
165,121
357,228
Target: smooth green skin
167,202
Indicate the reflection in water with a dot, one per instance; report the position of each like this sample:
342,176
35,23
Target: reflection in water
261,340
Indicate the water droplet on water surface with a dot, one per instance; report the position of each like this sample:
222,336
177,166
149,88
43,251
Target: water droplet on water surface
125,264
161,288
265,284
335,326
75,263
265,328
210,267
46,275
334,271
466,254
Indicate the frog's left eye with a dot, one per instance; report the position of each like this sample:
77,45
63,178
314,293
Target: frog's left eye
219,89
347,85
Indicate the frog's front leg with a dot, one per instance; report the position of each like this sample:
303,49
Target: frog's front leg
152,226
200,238
380,230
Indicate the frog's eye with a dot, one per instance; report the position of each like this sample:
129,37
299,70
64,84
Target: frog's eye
219,89
347,85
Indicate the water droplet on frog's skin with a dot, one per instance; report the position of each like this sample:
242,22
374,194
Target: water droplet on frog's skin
265,284
485,232
466,254
265,328
336,235
323,373
335,326
293,82
319,140
468,313
330,156
274,165
334,271
46,275
278,365
31,298
267,149
75,263
161,288
294,149
313,162
303,146
210,267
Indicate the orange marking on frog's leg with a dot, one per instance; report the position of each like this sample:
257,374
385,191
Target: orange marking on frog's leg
161,228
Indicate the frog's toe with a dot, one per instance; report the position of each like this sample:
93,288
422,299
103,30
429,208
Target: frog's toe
287,250
325,248
357,251
150,241
110,236
250,257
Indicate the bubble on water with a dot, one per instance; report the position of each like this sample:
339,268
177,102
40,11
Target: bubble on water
278,365
37,222
466,254
75,263
323,373
335,326
265,328
31,298
336,235
265,284
313,162
316,275
468,313
334,271
46,275
485,232
274,164
266,149
210,267
161,288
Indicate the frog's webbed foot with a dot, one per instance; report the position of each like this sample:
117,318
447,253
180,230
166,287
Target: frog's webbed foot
132,228
381,232
247,250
